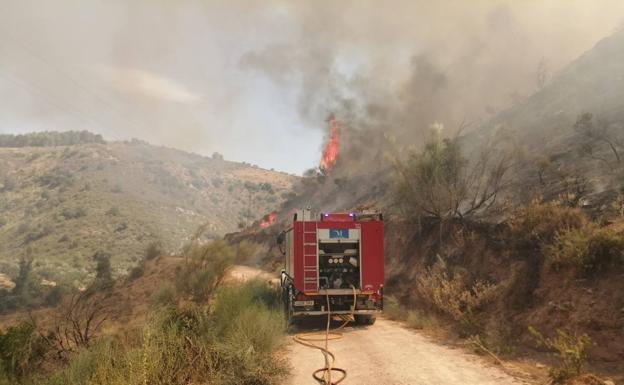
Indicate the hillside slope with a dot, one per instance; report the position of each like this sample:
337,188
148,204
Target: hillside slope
59,205
592,83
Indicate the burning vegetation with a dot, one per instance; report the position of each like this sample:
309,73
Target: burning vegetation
268,220
332,147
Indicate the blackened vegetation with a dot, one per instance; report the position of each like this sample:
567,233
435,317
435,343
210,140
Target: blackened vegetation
596,132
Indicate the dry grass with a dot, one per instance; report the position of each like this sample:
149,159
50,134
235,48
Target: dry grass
590,247
232,342
539,222
454,295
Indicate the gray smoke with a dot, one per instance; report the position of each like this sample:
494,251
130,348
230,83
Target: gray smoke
255,80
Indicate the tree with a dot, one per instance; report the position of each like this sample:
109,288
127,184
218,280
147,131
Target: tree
103,274
441,183
542,165
541,74
596,132
23,281
77,321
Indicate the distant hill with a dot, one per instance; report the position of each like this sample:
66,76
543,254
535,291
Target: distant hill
61,204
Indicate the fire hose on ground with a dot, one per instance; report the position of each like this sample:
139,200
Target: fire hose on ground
324,375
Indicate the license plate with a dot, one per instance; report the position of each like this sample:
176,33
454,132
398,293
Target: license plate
304,303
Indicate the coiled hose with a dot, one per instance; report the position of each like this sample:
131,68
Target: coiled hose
324,375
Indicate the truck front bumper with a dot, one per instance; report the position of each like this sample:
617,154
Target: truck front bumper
324,312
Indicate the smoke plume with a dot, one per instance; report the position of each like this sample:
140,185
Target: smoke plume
256,80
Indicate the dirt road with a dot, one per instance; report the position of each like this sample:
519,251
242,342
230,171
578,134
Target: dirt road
389,354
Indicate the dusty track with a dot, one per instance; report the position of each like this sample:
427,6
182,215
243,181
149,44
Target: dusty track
389,354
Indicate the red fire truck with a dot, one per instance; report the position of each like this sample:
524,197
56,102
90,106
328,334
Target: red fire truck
332,257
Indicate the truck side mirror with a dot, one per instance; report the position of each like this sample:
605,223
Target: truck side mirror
280,242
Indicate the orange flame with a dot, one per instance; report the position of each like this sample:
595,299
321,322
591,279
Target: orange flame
330,152
268,220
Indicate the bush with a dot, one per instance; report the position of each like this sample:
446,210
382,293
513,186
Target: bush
54,296
113,211
103,271
21,351
243,250
393,309
137,271
589,247
571,350
454,295
234,344
56,178
165,295
74,213
538,223
204,268
39,232
153,250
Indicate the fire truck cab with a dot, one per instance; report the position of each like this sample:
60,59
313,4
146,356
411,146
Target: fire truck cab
328,259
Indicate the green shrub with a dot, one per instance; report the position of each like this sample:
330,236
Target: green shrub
393,309
232,300
54,296
74,213
137,271
56,178
21,351
103,271
165,295
243,251
104,363
234,344
153,250
39,232
571,350
113,211
204,268
415,320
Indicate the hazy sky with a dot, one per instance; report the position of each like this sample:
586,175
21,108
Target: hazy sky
255,80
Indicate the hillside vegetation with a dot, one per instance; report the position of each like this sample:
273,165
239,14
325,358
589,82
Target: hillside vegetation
138,330
61,204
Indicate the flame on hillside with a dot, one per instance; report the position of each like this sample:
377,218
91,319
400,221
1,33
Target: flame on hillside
330,152
268,220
